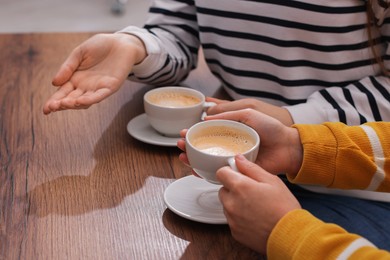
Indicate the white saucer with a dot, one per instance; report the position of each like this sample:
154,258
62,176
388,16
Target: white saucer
195,199
140,129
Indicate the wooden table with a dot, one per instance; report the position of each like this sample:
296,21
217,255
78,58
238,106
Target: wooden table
75,184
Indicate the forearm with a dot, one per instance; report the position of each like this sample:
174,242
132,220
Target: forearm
333,151
299,235
135,46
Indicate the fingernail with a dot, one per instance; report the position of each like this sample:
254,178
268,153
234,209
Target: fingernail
240,157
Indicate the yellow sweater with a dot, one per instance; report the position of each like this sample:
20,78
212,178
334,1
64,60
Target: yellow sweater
331,151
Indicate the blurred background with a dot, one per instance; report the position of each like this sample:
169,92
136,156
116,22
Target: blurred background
24,16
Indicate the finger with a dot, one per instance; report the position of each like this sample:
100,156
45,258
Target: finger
67,69
63,91
228,106
70,100
54,104
183,133
227,200
181,144
243,115
223,194
184,159
216,100
252,170
93,97
227,177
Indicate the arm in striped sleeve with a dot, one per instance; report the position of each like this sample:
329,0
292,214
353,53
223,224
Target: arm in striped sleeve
171,39
360,101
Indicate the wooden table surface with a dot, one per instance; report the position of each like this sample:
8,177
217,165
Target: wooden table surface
75,184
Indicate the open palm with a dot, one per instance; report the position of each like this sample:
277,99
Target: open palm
94,70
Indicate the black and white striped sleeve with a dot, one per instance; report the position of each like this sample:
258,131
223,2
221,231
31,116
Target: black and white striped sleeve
172,40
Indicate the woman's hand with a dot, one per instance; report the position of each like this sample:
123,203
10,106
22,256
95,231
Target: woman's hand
94,70
254,201
182,146
279,113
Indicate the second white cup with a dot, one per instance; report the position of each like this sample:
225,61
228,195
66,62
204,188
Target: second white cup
171,109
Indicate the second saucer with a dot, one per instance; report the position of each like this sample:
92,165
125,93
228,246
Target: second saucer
140,128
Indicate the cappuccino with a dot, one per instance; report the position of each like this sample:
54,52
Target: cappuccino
212,144
222,141
173,99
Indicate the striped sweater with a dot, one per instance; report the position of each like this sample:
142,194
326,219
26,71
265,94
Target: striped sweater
299,234
313,57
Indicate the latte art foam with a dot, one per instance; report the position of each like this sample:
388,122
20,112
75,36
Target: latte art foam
173,99
221,140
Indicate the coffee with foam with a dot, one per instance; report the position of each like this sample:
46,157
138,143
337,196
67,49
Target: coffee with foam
212,144
222,141
173,99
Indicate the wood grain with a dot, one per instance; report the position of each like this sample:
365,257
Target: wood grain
75,184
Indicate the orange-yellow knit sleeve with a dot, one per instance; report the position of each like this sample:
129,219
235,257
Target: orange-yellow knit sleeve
310,238
345,157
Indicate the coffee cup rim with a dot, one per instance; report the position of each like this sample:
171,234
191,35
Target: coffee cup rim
215,122
179,88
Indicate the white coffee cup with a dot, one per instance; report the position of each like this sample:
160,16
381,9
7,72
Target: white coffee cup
213,144
171,109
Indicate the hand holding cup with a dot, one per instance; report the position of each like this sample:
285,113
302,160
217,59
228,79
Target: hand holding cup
280,151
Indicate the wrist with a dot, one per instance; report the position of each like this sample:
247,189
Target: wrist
295,152
286,117
136,44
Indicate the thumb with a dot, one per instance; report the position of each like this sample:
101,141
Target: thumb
252,170
67,68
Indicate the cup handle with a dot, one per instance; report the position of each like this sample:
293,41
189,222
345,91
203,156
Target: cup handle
232,164
206,105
